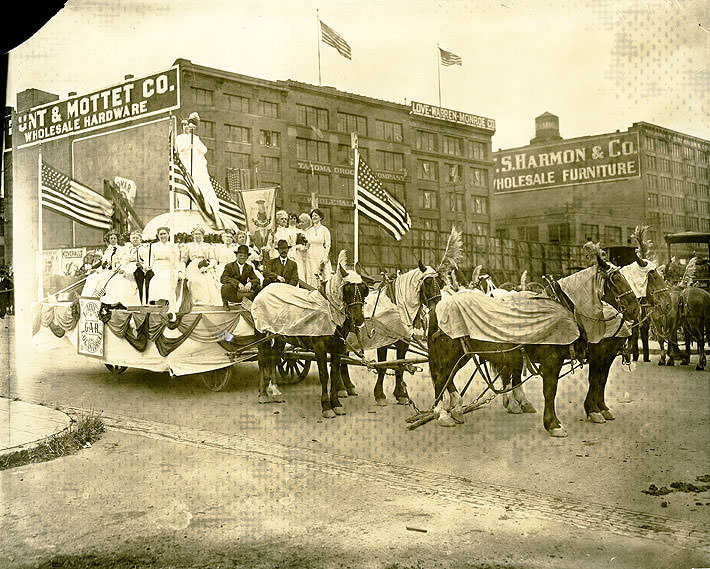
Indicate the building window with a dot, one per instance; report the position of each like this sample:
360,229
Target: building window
426,141
428,199
480,229
238,104
479,205
270,138
203,96
388,131
430,229
209,155
529,233
238,133
307,149
704,208
558,233
665,184
271,164
312,116
476,150
346,154
590,232
318,183
454,172
666,202
479,177
691,205
456,203
677,169
651,162
612,235
352,123
692,223
662,146
654,218
237,160
344,187
269,109
650,143
653,200
688,153
391,161
680,221
678,186
206,129
704,191
676,150
690,170
396,189
427,170
453,145
652,182
664,165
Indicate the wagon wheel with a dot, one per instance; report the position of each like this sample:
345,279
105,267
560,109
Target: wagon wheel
217,379
116,370
535,287
293,370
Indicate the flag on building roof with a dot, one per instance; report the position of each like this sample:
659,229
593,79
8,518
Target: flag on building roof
227,206
72,199
334,39
182,183
448,58
374,201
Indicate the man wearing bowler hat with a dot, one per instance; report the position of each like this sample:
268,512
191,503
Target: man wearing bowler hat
239,280
281,269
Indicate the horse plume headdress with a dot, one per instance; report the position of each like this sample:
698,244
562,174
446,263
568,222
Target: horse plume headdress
590,251
689,274
453,254
644,245
524,279
475,276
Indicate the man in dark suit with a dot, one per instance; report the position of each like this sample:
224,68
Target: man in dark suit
239,280
281,269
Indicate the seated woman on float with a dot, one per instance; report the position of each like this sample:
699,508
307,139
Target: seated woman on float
98,278
200,261
163,270
122,289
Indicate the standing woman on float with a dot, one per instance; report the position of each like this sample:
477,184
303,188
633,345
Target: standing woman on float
201,278
225,252
123,288
109,263
164,260
318,237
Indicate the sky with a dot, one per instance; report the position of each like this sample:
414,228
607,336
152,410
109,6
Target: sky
600,65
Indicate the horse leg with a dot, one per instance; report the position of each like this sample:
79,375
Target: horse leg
321,353
519,393
380,397
550,368
634,341
672,348
265,358
335,380
400,388
272,389
510,403
345,375
442,361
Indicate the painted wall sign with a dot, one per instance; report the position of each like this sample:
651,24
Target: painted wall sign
90,328
424,110
597,159
126,101
328,169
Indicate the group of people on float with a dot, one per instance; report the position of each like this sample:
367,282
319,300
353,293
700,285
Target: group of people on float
149,273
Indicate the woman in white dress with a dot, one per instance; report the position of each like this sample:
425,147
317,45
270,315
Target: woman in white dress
200,262
225,252
318,249
122,289
283,231
97,280
163,260
300,251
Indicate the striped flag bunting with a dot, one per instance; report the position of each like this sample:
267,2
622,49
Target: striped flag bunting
448,58
374,201
72,199
182,183
227,206
334,39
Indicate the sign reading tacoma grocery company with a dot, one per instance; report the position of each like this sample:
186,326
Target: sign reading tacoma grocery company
424,110
598,159
130,100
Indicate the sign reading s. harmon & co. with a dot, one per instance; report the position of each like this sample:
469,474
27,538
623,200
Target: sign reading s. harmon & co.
597,159
127,101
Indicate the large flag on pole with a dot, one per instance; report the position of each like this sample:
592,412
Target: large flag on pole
374,201
227,206
74,200
334,39
448,58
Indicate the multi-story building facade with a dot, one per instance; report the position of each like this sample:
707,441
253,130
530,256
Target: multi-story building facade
296,137
6,192
599,187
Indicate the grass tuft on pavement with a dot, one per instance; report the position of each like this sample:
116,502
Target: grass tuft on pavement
85,430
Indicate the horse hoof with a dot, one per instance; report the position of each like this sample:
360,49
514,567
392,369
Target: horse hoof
339,410
596,417
402,400
699,367
457,415
559,432
276,399
661,363
528,408
264,399
608,415
352,392
684,363
328,414
381,402
446,421
342,393
670,364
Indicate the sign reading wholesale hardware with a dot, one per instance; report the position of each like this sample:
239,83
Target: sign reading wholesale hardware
597,159
424,110
132,99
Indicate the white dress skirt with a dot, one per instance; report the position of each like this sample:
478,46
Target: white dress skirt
97,281
165,263
318,251
122,288
204,285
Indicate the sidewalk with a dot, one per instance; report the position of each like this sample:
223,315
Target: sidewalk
24,425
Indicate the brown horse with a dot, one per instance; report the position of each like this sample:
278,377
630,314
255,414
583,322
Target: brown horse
664,316
694,315
446,355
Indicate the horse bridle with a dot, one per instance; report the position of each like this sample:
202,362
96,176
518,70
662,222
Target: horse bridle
609,274
436,295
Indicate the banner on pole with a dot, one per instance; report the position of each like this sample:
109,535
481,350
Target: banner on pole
260,210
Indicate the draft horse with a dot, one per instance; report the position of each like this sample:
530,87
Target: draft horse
447,356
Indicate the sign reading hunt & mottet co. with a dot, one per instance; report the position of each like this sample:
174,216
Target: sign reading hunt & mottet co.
127,101
424,110
598,159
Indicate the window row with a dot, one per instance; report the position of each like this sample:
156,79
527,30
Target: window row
236,133
237,103
429,170
676,149
428,141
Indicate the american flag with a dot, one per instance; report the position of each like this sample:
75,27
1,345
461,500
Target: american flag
227,206
448,58
72,199
374,201
182,183
334,39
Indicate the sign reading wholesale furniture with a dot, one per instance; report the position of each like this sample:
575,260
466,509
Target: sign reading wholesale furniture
597,159
424,110
127,101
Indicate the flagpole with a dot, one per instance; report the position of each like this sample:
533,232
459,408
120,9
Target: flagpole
438,69
356,241
171,189
40,253
318,32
